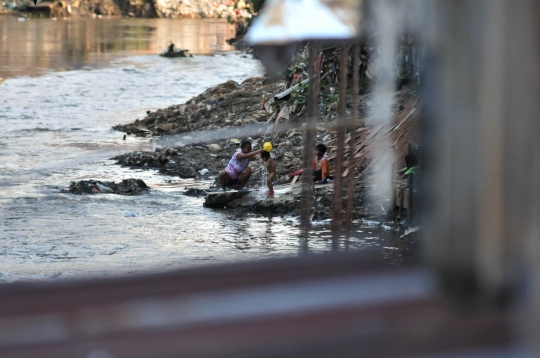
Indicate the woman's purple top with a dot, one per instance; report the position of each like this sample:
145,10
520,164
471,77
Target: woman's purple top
235,166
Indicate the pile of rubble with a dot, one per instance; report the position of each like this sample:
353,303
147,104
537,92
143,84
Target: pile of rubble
225,105
125,187
253,101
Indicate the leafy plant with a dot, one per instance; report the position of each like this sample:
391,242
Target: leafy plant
300,94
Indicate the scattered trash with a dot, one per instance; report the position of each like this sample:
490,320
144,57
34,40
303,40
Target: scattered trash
369,223
104,189
203,171
321,222
283,115
410,232
213,146
130,214
296,173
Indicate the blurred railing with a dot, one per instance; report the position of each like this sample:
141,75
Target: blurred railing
317,306
480,242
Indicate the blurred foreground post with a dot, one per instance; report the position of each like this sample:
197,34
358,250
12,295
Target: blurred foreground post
481,134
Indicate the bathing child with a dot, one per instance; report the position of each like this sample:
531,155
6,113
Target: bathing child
271,167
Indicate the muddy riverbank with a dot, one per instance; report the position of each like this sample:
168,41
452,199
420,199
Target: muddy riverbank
240,108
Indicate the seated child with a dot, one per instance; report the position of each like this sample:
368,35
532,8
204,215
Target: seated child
411,165
321,166
271,167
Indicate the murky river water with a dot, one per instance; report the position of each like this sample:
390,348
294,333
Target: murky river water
66,83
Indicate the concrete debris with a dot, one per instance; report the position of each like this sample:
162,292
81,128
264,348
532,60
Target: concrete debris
222,106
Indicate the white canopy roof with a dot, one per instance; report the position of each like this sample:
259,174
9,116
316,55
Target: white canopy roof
285,21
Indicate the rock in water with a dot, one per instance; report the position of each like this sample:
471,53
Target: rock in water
126,187
221,199
194,192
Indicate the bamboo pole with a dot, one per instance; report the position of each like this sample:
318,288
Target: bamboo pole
352,142
309,144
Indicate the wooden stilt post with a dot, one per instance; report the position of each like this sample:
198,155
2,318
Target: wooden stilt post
352,142
410,182
410,203
337,205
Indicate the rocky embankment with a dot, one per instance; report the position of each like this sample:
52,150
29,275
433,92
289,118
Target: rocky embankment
235,10
81,8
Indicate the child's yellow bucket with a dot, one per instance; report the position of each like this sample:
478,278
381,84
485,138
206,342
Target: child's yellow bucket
267,146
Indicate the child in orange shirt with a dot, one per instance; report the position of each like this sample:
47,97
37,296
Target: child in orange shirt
321,166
